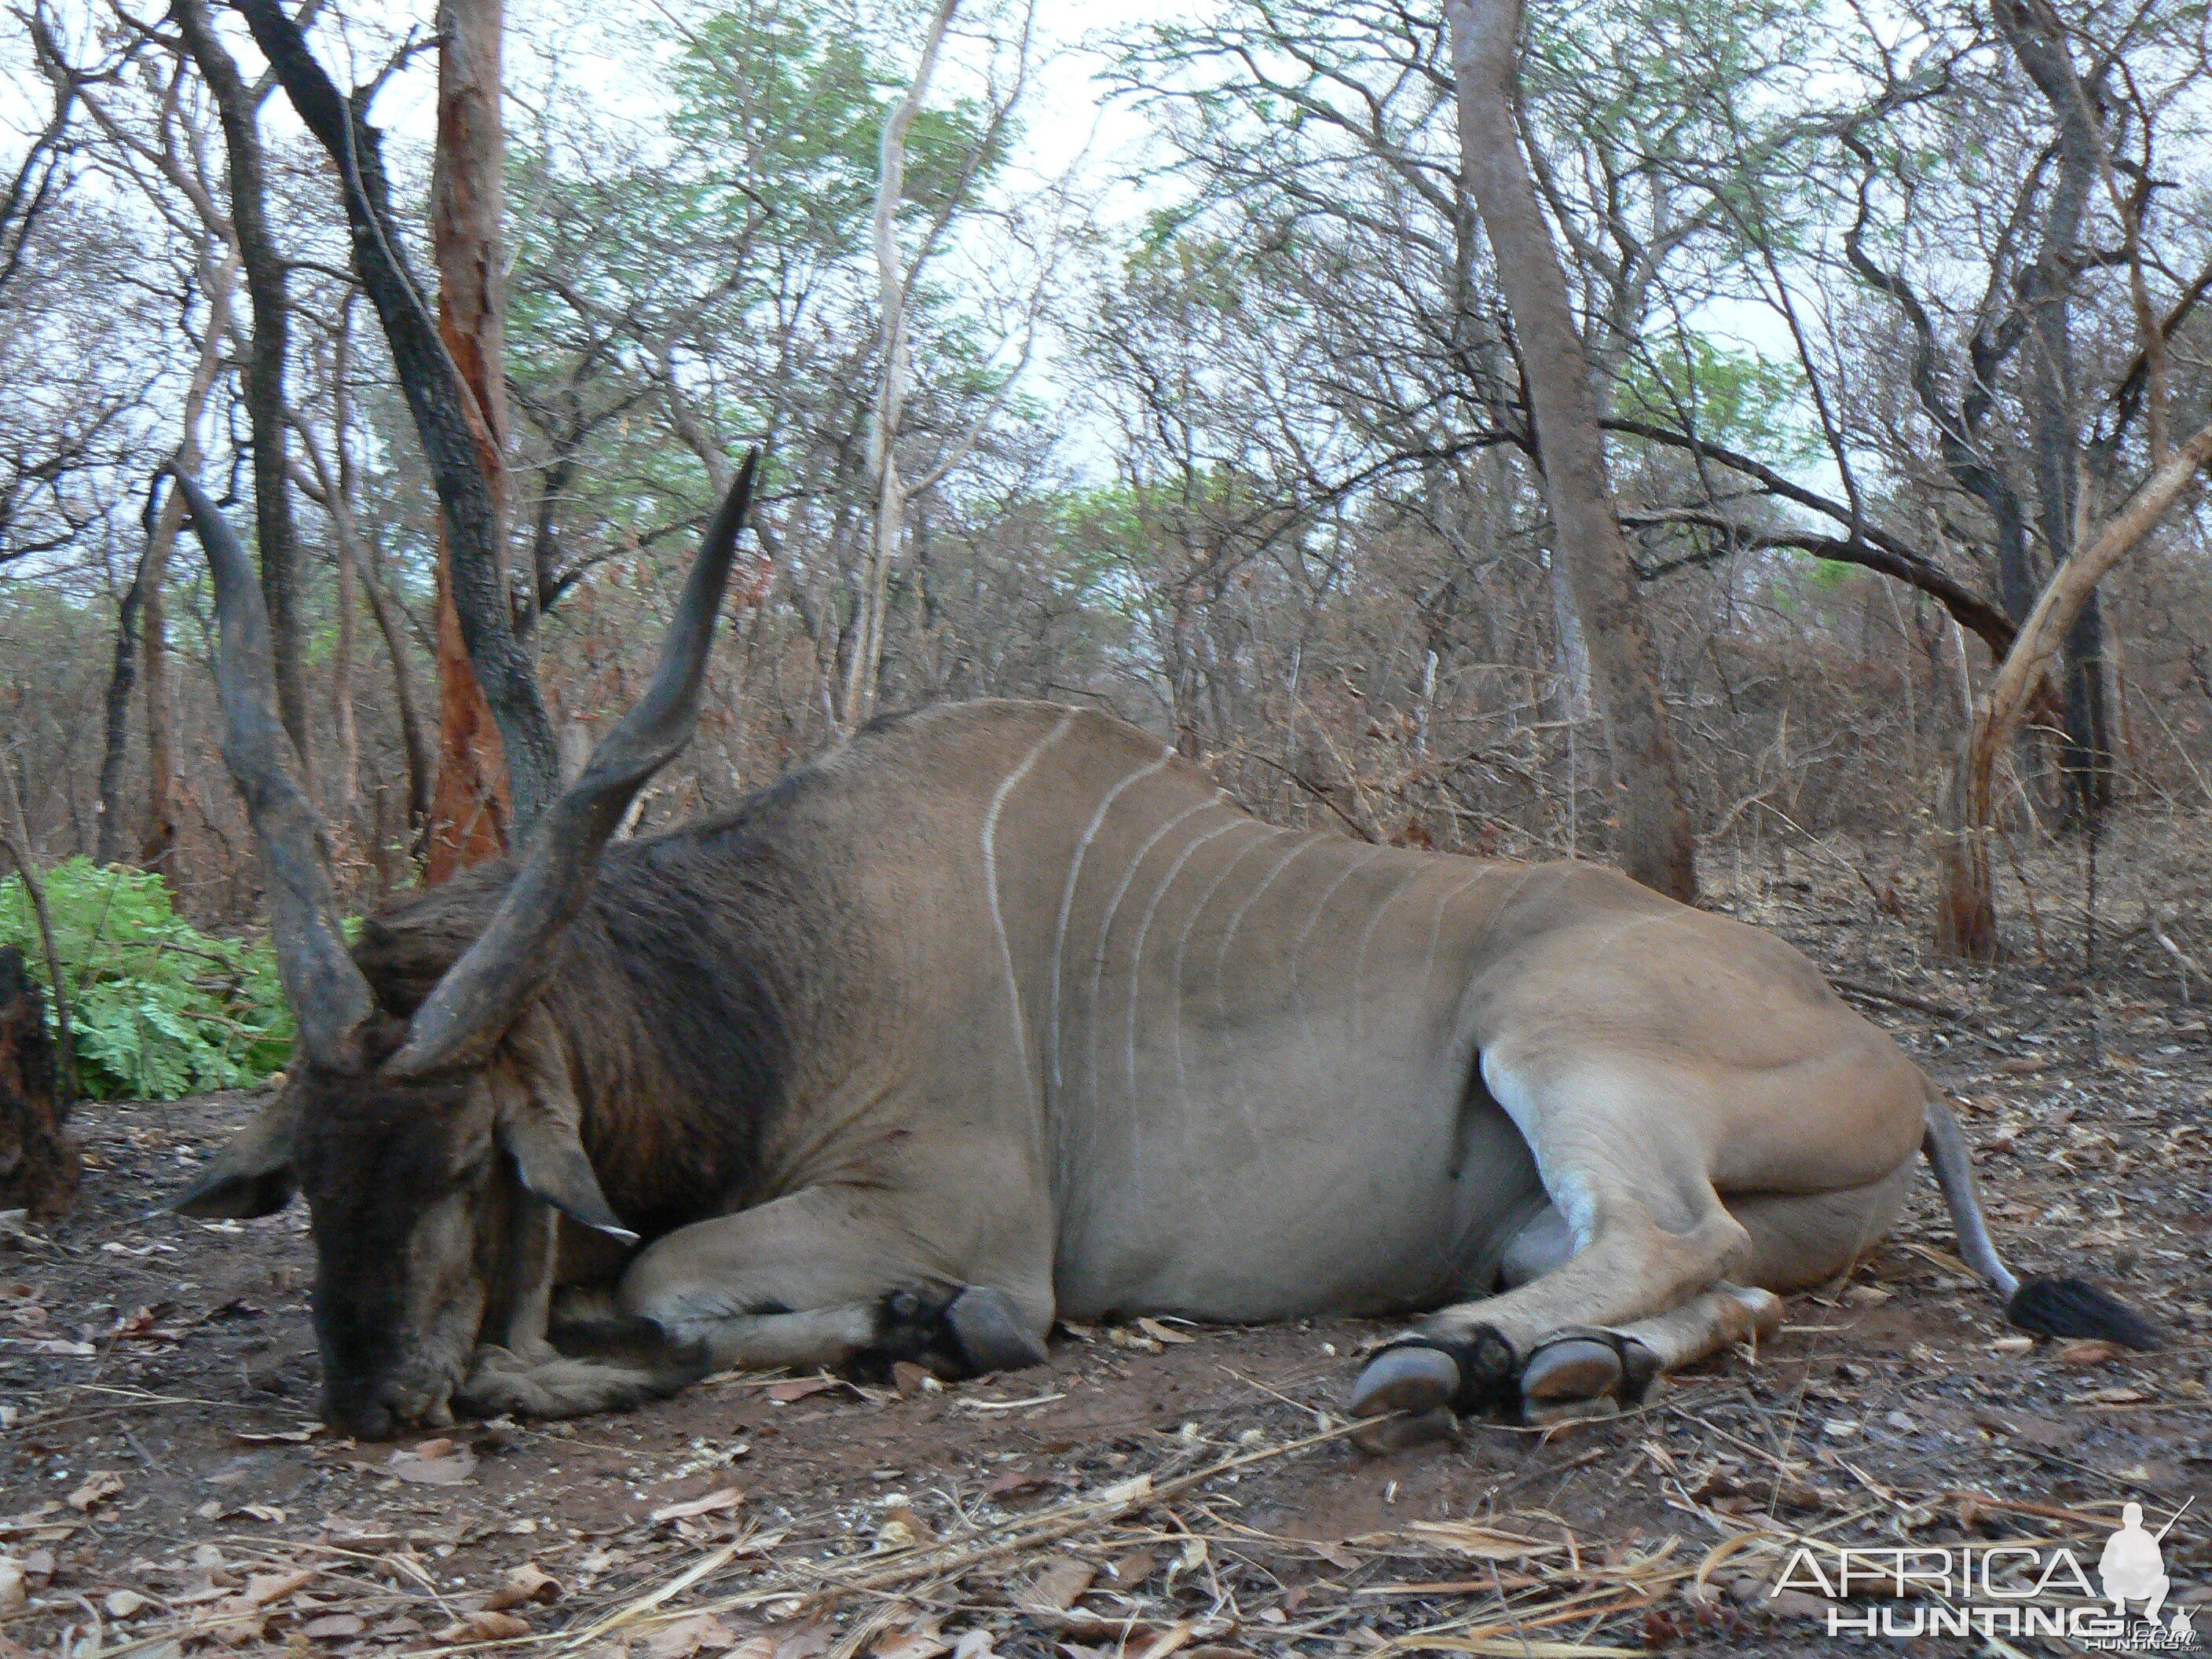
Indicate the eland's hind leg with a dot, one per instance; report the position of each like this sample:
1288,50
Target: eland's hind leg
1797,1239
1640,1297
1615,1143
1808,1238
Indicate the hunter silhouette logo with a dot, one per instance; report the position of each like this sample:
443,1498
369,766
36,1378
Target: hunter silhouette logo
2004,1590
2132,1567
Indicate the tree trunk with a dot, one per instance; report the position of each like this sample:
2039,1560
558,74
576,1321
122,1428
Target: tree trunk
337,490
263,380
157,851
866,663
345,790
15,842
446,415
39,1162
108,849
2053,414
1966,913
335,495
1654,838
157,848
471,813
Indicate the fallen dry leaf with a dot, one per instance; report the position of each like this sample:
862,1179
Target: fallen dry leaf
123,1604
1160,1333
236,1629
99,1486
488,1627
144,1325
332,1626
1132,1569
909,1633
527,1583
727,1498
910,1379
1057,1585
2029,1431
264,1589
2093,1352
799,1387
13,1595
904,1521
434,1463
804,1641
685,1637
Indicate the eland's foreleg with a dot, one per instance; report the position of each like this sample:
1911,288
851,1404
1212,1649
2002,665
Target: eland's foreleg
532,1364
832,1277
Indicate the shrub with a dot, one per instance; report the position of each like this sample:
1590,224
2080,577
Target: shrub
158,1009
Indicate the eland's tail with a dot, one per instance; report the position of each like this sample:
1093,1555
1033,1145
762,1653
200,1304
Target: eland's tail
2050,1306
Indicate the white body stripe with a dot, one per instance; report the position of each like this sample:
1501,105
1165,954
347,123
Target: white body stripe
1067,892
990,844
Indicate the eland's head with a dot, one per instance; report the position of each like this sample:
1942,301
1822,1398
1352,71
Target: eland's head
433,1130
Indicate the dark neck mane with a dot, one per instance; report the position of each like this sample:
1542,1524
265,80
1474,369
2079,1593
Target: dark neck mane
674,994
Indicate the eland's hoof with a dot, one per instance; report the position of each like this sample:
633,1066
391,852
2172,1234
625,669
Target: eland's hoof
1574,1366
987,1324
1409,1378
1410,1396
1571,1367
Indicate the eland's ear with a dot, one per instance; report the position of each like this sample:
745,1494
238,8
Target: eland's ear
253,1174
540,1117
551,1160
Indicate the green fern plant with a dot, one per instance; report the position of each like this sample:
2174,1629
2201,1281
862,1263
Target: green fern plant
158,1009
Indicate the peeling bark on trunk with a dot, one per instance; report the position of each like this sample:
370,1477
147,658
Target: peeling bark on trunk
1654,838
471,813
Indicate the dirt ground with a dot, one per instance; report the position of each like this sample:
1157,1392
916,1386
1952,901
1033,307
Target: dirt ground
164,1486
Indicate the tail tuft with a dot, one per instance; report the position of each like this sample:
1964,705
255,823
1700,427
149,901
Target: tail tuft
2073,1307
